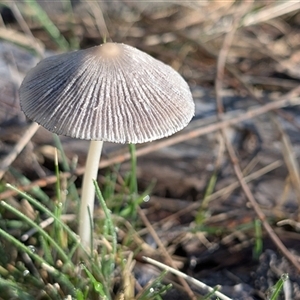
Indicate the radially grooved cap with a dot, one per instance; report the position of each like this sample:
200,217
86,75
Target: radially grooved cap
112,92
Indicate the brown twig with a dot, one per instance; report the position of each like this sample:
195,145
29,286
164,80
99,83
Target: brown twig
221,61
19,146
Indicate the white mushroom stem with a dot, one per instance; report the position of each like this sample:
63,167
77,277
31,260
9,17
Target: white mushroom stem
88,193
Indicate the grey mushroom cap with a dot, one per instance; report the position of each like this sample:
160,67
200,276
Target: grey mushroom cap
112,92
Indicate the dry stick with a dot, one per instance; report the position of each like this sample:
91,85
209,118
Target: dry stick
19,146
290,159
188,278
164,251
183,136
235,163
222,56
221,60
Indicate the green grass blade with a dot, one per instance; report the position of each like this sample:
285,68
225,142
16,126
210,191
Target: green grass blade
57,184
276,290
212,293
9,287
41,231
202,211
48,25
74,40
109,187
59,276
24,248
107,261
155,288
96,284
46,250
111,227
258,247
45,210
64,161
73,193
36,191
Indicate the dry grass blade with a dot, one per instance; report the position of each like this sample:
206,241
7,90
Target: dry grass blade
7,161
30,39
272,12
221,61
186,277
98,17
15,37
129,280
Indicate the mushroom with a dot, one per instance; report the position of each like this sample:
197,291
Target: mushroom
112,92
